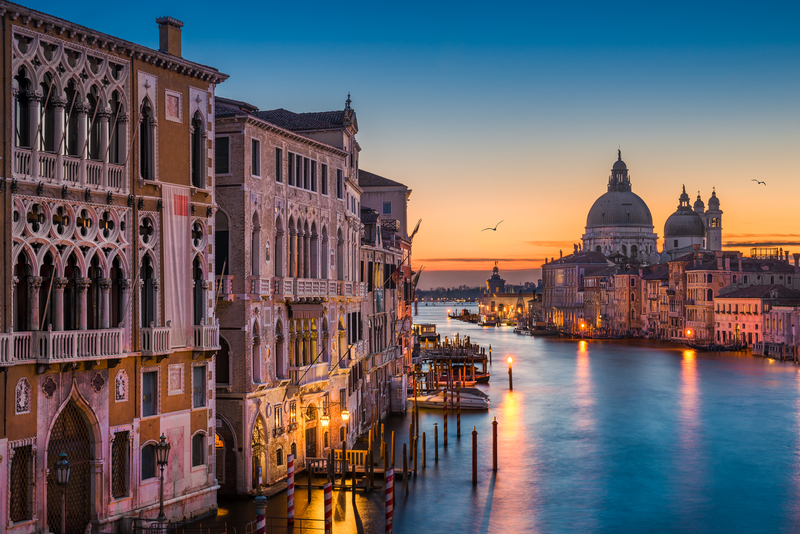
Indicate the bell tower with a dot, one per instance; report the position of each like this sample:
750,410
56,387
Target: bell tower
713,219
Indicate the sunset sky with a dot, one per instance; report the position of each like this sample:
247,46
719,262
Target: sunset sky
515,112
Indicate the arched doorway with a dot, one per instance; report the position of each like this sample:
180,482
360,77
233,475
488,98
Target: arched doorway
259,450
71,434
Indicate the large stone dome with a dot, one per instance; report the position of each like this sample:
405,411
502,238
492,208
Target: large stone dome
619,208
684,223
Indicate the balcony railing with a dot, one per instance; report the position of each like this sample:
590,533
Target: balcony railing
54,168
259,286
206,337
62,346
156,340
309,374
224,287
305,287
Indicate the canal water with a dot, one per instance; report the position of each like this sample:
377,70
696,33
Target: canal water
598,436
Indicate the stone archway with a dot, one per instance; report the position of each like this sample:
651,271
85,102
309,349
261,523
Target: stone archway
71,434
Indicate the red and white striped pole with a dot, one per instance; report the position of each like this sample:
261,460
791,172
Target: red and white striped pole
290,489
327,490
389,500
261,514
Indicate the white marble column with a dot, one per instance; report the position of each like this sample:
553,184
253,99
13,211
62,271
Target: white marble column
105,302
83,285
34,284
58,303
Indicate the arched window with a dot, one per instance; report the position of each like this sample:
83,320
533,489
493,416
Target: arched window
339,256
324,254
198,449
115,151
255,248
147,142
70,147
634,251
294,451
734,278
148,461
280,365
222,265
279,457
314,252
199,154
24,108
710,295
771,279
256,354
278,259
47,138
93,124
198,292
223,364
597,248
148,293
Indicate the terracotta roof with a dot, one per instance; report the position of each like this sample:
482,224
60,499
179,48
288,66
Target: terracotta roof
369,179
763,291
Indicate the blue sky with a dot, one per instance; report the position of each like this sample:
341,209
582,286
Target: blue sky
515,111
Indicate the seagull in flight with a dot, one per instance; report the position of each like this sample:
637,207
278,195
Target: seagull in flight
492,229
759,181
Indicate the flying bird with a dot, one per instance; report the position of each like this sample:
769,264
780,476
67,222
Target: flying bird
759,181
492,229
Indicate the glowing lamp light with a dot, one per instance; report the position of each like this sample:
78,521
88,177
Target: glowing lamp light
345,415
509,360
325,420
688,332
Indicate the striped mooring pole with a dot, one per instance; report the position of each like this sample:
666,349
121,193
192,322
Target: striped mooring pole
261,514
327,490
290,489
389,500
445,418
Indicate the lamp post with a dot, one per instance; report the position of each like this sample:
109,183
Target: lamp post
346,418
162,455
510,379
62,479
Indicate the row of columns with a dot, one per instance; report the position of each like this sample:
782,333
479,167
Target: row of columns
302,347
300,254
82,109
82,285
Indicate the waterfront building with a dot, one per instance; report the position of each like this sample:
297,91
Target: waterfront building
109,326
620,221
628,301
563,286
780,332
598,298
497,304
741,315
655,306
289,288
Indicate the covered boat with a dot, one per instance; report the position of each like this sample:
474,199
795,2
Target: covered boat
471,399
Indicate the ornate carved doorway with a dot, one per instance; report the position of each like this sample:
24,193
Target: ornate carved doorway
71,434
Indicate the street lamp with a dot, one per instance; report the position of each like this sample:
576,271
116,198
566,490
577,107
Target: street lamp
325,420
62,479
162,455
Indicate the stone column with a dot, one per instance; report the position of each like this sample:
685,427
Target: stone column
207,286
34,103
301,261
306,347
82,109
34,283
125,287
83,285
157,300
314,348
59,103
307,255
292,253
59,283
292,361
14,282
105,302
103,115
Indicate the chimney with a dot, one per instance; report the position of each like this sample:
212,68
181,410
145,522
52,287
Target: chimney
169,35
727,263
796,257
739,257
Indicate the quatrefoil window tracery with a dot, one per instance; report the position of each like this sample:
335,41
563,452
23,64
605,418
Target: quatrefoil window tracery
36,218
106,224
84,223
198,233
146,230
61,220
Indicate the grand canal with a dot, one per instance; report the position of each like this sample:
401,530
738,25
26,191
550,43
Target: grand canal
623,436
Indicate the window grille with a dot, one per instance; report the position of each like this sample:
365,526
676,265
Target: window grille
21,507
120,462
198,450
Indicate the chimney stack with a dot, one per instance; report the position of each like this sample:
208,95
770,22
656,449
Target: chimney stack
796,257
169,35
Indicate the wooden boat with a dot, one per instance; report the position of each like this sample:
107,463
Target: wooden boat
471,399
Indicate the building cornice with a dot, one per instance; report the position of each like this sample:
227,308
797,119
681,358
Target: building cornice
49,25
269,127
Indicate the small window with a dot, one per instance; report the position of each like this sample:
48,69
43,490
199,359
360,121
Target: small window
21,483
298,170
676,243
306,173
313,176
199,386
387,207
324,179
278,415
198,450
341,434
291,168
292,412
343,399
279,457
255,157
148,462
339,184
326,440
294,452
119,464
222,155
149,393
278,165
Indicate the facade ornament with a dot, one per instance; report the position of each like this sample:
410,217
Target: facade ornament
59,283
82,108
121,386
35,282
83,284
123,118
124,284
156,284
98,382
58,101
22,397
49,387
104,113
105,284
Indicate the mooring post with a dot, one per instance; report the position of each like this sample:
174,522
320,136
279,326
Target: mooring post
474,455
444,430
415,455
308,472
510,379
494,444
424,450
393,456
458,413
383,438
405,469
490,354
436,443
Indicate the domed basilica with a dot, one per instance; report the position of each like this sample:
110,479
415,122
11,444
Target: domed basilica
619,223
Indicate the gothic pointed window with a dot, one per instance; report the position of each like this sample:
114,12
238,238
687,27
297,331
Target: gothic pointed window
198,152
22,111
147,142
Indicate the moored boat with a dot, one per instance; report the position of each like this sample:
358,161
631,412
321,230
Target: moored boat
471,399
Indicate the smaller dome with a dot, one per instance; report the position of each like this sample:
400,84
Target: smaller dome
619,165
713,202
684,223
698,204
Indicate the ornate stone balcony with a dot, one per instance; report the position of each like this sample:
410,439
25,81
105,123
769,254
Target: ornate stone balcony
206,337
156,340
224,287
50,168
309,374
48,347
259,286
304,288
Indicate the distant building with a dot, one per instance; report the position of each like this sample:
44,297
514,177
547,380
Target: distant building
693,226
498,305
563,293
